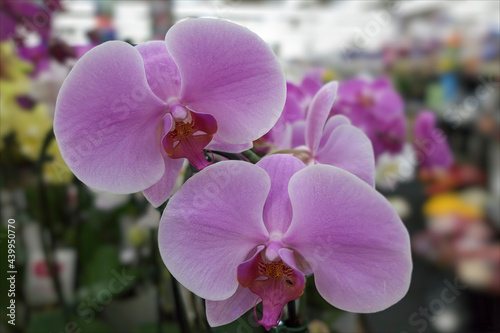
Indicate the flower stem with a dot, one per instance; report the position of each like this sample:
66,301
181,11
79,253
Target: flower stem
156,265
252,157
293,320
289,151
179,306
229,156
49,249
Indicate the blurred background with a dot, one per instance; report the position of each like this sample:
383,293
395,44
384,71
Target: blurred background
87,261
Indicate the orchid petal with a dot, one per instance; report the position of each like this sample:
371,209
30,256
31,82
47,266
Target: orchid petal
224,312
430,142
318,114
330,125
351,236
311,83
298,132
161,71
106,121
211,225
350,149
159,192
382,83
278,209
292,110
220,145
229,72
389,104
8,26
295,91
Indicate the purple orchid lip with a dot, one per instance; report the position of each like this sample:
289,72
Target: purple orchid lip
275,282
287,218
189,137
220,75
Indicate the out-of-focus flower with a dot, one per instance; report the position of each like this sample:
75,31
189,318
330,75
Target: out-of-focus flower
55,170
400,205
36,55
106,201
139,232
127,116
476,196
392,169
334,142
137,236
30,128
316,326
238,242
298,100
150,220
481,269
46,85
42,55
28,14
430,143
12,68
451,204
14,82
375,108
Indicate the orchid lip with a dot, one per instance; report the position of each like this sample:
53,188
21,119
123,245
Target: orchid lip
188,136
276,282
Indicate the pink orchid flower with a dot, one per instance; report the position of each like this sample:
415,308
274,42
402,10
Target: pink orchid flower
236,234
376,108
298,99
126,117
331,141
430,143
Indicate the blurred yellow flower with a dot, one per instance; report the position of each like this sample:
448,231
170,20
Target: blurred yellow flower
55,170
30,128
329,75
14,82
451,204
12,68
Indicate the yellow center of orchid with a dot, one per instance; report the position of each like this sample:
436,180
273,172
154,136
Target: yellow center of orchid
183,129
274,269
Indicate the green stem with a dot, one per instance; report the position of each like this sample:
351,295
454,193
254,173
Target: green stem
229,156
179,306
252,157
46,219
156,265
288,151
293,320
